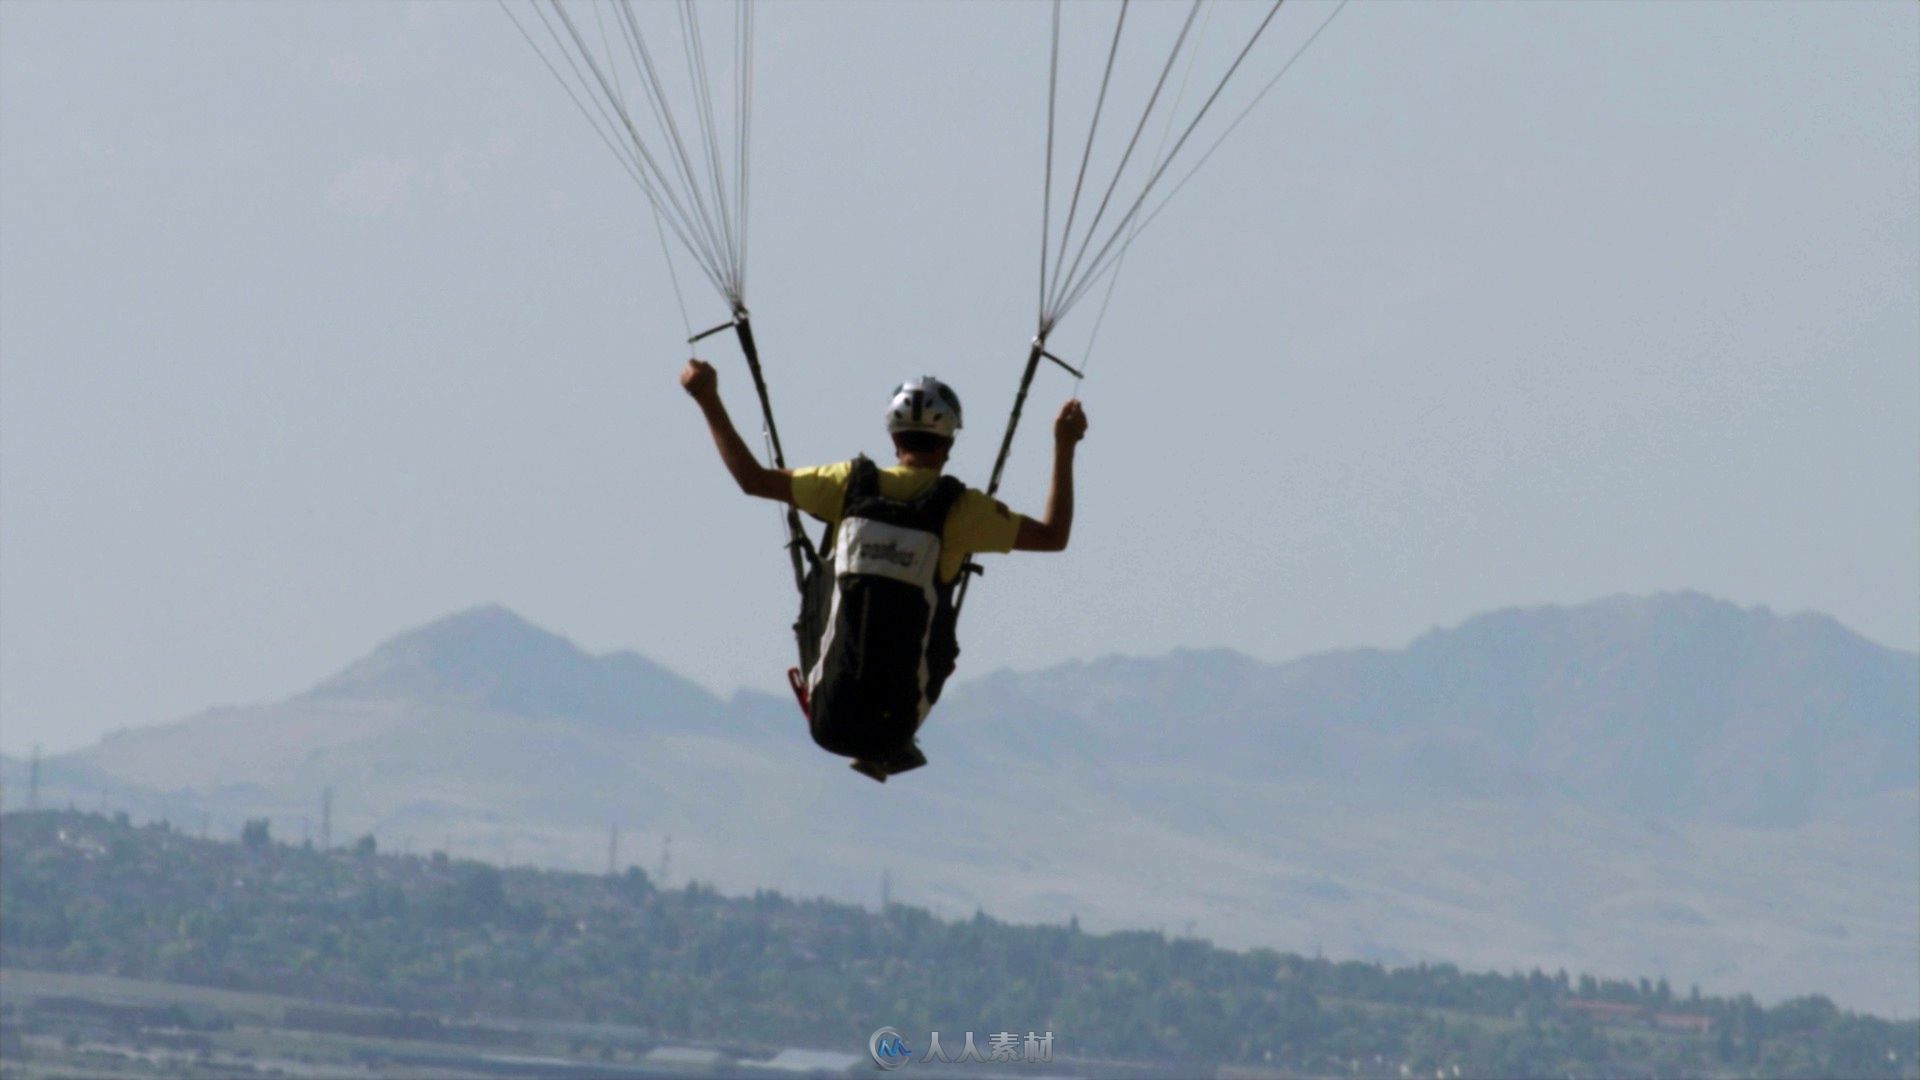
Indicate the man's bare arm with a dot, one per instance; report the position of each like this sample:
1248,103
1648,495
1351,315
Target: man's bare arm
1052,529
699,380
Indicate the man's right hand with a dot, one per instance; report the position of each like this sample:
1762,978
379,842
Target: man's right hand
699,379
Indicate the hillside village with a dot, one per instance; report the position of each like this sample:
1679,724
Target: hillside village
115,932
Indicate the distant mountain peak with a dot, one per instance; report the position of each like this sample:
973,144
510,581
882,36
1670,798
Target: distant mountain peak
1657,620
482,621
1673,705
496,614
468,653
1678,604
491,656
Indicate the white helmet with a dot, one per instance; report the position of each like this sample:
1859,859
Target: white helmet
924,404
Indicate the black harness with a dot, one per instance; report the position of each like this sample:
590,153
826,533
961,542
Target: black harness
876,627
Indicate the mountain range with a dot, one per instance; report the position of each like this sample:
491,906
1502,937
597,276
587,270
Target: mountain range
1665,785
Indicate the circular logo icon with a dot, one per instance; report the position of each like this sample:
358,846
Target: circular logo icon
889,1050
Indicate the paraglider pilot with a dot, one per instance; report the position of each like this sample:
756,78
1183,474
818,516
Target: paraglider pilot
876,629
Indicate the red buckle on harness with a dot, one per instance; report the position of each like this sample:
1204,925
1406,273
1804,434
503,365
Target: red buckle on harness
799,685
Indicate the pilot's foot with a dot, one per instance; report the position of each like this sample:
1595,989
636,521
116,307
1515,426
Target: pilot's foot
870,768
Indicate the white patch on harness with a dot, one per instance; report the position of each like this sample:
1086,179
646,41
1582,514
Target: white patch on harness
889,551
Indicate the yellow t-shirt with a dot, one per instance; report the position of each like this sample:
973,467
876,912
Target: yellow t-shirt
977,524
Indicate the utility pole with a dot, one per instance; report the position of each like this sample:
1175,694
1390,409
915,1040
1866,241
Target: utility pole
613,849
326,819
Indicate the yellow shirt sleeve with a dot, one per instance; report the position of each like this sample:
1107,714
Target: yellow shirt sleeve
981,525
821,490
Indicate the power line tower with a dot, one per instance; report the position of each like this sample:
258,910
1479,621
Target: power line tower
666,860
886,890
326,819
613,849
33,780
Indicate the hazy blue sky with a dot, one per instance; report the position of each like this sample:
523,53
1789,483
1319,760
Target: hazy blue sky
321,320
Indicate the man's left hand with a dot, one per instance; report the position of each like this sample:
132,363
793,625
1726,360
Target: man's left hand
700,380
1071,425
